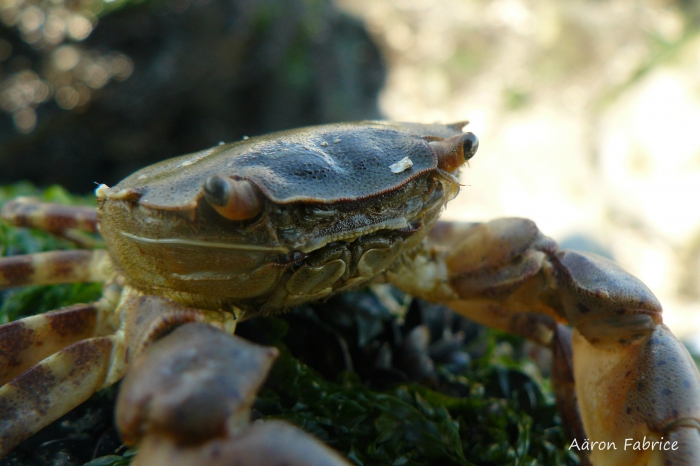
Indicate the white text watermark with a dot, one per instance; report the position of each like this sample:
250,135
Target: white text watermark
630,444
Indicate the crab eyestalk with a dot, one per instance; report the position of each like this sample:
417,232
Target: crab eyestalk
232,199
454,151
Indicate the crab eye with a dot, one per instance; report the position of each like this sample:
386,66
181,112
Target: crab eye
232,199
470,144
454,151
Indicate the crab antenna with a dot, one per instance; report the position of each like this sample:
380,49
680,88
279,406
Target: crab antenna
232,199
454,151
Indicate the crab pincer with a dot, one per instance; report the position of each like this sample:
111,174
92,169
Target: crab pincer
187,400
637,390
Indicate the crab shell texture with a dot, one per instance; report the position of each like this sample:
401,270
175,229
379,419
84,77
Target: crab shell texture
334,209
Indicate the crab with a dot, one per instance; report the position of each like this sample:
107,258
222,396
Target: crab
201,242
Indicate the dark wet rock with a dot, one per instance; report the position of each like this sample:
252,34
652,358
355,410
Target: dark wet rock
203,72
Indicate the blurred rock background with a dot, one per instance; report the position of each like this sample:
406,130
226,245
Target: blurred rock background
91,90
587,111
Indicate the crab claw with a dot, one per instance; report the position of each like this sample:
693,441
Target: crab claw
195,383
268,443
640,402
638,389
187,400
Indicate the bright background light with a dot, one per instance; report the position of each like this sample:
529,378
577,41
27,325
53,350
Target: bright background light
588,114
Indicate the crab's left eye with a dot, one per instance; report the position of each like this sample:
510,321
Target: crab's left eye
232,199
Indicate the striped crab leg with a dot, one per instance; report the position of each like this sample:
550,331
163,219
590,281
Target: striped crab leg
33,213
634,380
53,267
52,362
67,221
88,346
56,385
188,396
61,381
27,341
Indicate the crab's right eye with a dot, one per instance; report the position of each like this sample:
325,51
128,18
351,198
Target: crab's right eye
469,145
454,151
232,199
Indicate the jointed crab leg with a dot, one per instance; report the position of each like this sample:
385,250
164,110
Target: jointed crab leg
634,380
188,394
28,341
70,222
52,362
49,268
56,385
55,218
25,342
63,380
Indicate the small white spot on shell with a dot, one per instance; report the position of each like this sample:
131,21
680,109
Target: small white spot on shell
186,163
142,177
401,166
324,144
245,138
221,143
101,191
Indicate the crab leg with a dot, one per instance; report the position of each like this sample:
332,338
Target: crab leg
31,212
635,382
75,358
56,385
69,222
27,341
50,363
188,393
49,268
